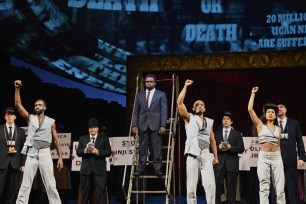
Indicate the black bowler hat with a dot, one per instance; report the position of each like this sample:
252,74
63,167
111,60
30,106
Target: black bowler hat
10,110
270,106
281,102
94,122
229,114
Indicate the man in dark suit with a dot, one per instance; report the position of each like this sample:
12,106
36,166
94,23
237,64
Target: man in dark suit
12,162
229,143
149,121
292,146
93,148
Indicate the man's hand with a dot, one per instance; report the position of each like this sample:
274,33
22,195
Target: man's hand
95,151
134,130
60,164
162,130
86,148
89,147
18,83
221,146
300,163
215,161
21,168
111,157
227,146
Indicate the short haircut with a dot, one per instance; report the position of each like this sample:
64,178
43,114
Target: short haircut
195,103
40,99
151,75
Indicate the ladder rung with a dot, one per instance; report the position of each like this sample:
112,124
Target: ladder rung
148,191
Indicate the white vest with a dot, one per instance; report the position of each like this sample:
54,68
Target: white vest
36,132
192,132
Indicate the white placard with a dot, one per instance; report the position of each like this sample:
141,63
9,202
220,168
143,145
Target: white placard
76,161
123,155
64,140
250,155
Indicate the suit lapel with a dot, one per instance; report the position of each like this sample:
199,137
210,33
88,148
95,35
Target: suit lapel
286,128
220,135
154,96
230,135
99,139
143,98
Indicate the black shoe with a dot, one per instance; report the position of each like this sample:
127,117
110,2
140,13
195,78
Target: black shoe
159,173
137,173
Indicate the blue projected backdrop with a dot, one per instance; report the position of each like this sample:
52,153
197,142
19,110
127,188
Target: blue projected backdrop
89,40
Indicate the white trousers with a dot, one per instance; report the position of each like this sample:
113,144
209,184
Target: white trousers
202,165
44,162
270,165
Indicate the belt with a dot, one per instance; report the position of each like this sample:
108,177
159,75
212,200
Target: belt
191,155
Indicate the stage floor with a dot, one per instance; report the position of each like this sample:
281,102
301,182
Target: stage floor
150,200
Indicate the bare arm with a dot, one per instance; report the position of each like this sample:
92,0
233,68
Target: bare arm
57,147
257,122
213,146
180,102
22,111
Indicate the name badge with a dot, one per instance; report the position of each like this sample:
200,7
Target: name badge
10,143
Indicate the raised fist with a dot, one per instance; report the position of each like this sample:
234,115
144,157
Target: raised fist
18,83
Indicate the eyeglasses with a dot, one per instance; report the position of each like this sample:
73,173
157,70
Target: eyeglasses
150,81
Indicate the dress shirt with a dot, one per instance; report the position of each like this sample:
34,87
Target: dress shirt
8,129
150,96
95,136
228,132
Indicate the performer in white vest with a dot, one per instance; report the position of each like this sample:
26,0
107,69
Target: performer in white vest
200,137
41,130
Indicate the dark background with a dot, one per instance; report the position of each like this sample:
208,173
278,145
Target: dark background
90,46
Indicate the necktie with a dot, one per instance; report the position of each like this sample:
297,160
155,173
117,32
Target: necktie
147,100
281,125
92,139
10,134
225,136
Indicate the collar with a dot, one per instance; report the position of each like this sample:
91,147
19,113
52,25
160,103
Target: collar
151,92
7,126
284,120
95,136
228,129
